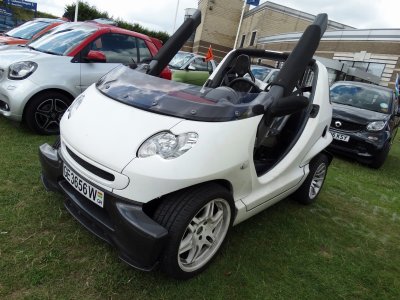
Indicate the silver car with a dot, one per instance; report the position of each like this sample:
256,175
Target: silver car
39,81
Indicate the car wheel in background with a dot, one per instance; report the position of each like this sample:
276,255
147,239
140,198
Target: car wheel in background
311,187
44,111
198,220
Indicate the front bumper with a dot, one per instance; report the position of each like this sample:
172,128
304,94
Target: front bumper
362,145
15,94
138,239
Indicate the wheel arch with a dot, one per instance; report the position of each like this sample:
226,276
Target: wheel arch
68,94
151,206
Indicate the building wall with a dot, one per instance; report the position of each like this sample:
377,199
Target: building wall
220,19
271,19
384,52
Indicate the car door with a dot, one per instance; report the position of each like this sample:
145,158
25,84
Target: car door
117,49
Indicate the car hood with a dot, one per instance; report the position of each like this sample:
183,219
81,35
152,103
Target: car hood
110,132
12,40
10,56
356,115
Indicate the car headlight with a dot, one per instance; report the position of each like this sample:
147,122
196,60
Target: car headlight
376,126
168,145
22,70
74,106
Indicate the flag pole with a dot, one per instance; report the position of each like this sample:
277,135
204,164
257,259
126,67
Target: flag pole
240,25
176,15
76,11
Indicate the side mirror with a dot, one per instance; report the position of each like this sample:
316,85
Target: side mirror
191,67
288,105
96,56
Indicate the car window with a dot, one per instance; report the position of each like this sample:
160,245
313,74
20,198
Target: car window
63,39
260,72
180,59
369,98
200,64
121,48
144,52
28,30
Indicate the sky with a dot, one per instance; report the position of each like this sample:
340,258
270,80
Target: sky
160,14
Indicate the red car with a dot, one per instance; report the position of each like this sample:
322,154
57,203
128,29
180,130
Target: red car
29,30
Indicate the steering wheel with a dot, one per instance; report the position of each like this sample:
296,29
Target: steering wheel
241,84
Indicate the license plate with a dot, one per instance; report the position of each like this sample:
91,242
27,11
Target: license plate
340,137
86,189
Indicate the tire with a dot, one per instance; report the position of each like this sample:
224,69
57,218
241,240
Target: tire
196,232
311,187
380,158
44,111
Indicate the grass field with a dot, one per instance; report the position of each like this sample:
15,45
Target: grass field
345,246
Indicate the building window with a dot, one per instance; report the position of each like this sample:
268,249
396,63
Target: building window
373,68
242,41
253,38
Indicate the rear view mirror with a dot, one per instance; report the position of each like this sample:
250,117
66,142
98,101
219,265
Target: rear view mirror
96,56
288,105
191,68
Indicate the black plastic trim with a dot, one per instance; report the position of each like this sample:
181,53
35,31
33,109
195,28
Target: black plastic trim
95,170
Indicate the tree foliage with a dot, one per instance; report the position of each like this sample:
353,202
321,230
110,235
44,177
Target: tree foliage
89,12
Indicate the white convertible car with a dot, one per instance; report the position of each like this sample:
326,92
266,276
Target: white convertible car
161,170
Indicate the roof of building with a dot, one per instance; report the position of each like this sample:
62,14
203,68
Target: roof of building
294,13
339,35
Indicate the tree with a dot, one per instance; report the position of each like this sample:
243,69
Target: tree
89,12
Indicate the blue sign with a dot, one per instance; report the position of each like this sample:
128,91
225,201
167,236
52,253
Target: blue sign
253,2
22,3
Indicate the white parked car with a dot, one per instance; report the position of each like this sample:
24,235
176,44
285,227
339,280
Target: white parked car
161,170
38,82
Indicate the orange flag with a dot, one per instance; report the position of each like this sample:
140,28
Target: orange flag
209,55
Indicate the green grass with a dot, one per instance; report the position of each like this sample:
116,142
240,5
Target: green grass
345,246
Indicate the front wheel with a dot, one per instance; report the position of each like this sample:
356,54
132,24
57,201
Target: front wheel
44,111
311,187
198,220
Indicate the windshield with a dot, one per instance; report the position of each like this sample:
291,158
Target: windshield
62,40
180,59
176,99
369,98
27,30
260,72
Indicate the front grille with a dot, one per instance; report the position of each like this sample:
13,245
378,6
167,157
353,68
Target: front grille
346,125
93,169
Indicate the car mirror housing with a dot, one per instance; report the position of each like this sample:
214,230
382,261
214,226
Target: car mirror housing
96,56
191,67
288,105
